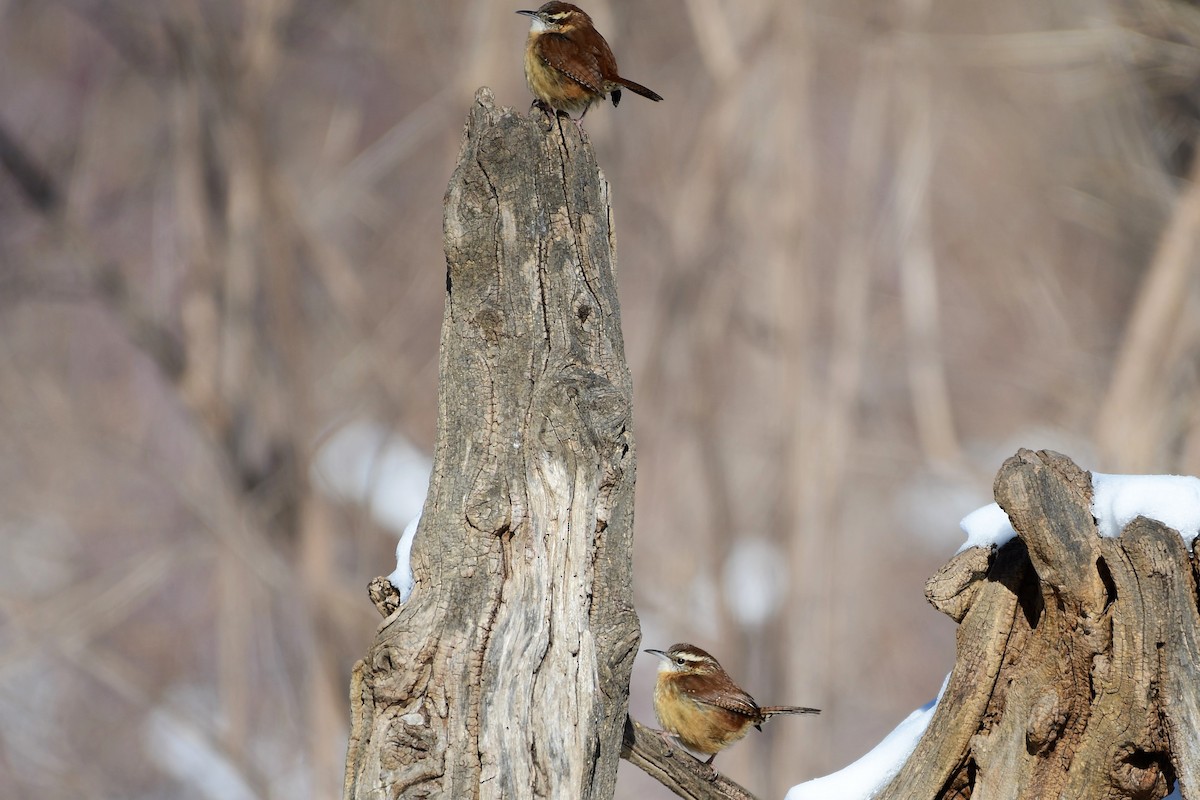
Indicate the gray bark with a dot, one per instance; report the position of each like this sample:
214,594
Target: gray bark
506,673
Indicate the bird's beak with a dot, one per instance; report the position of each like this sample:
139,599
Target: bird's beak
658,653
528,13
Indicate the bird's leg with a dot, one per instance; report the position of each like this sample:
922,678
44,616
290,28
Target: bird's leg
667,738
579,122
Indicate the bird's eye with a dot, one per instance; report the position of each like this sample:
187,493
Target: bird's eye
679,661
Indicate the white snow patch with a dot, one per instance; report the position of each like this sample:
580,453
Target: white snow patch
402,578
1173,500
1117,500
865,777
986,526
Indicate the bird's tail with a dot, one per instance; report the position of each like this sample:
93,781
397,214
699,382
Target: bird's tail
770,711
639,89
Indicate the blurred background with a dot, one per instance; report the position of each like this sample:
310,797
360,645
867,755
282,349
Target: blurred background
867,250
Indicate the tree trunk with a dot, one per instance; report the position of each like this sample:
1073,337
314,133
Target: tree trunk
506,674
1075,675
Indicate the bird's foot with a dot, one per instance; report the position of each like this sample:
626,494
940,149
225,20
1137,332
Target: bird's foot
669,740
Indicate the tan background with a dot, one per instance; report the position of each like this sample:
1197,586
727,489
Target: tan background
867,250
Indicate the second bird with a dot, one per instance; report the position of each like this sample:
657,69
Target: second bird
697,702
568,65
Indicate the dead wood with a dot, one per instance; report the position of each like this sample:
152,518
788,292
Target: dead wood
679,771
506,674
1076,655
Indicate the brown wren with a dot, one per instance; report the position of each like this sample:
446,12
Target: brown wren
568,65
697,702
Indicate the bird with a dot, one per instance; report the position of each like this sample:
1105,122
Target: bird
568,65
697,702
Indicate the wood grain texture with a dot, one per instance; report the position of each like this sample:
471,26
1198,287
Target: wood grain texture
506,673
1076,656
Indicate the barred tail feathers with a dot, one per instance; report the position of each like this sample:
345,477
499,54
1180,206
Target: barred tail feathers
637,88
770,711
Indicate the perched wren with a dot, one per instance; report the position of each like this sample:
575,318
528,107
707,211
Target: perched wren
697,702
568,65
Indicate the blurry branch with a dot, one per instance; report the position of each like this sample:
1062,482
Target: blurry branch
1030,50
237,356
103,280
1160,341
146,332
714,38
242,319
73,626
128,28
930,392
1148,415
1164,53
125,679
35,182
88,610
854,274
248,327
357,178
679,771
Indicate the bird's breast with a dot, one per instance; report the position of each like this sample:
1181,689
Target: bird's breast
701,727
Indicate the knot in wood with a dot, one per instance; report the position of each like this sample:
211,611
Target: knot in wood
1139,776
384,659
488,507
490,322
583,407
408,739
1047,719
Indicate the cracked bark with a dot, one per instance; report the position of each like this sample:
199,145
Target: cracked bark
1075,675
506,673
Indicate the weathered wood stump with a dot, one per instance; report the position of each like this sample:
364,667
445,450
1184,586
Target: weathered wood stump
1076,674
506,674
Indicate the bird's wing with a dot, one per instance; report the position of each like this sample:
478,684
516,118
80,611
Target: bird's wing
724,695
579,64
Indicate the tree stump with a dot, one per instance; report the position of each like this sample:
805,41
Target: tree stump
506,673
1077,655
